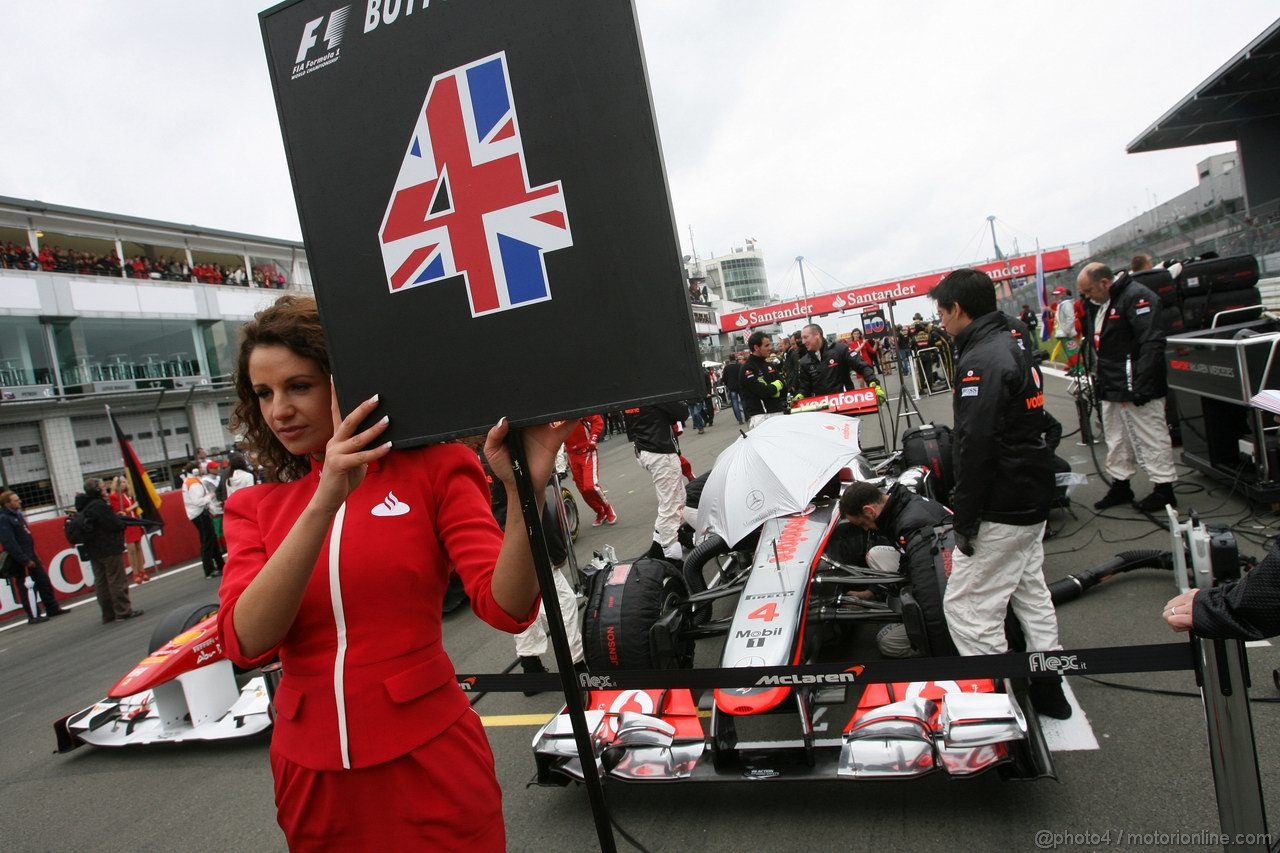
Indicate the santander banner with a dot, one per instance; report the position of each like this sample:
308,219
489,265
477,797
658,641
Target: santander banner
875,294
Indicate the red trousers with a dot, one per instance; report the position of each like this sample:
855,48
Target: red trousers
585,468
442,796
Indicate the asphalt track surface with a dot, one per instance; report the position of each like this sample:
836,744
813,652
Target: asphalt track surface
1150,774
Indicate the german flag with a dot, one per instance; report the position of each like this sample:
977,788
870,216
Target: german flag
144,491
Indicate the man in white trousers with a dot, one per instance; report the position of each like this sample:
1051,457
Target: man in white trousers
1130,380
1004,485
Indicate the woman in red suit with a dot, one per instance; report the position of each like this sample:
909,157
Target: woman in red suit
122,503
340,568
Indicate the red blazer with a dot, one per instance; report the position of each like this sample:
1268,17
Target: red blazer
588,429
366,678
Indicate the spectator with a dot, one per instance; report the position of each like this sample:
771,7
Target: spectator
733,384
1032,322
16,539
104,546
239,475
196,498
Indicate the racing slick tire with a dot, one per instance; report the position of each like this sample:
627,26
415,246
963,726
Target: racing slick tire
710,548
631,620
178,620
570,513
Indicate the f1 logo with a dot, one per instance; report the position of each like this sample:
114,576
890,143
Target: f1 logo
332,33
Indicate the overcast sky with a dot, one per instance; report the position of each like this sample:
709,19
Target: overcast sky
871,138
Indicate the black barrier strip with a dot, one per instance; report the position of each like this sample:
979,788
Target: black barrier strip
1110,660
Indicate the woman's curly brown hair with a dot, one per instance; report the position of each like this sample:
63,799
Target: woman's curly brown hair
290,321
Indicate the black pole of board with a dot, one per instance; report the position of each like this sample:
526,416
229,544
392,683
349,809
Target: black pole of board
559,639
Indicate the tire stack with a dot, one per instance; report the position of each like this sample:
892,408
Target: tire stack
1189,302
1202,290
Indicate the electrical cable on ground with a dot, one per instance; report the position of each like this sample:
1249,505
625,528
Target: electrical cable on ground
626,835
1261,700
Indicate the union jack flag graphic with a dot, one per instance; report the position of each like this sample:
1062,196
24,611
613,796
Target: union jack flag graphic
462,204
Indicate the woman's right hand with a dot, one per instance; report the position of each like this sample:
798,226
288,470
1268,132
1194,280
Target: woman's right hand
348,453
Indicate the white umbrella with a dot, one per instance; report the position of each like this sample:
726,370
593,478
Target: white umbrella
773,471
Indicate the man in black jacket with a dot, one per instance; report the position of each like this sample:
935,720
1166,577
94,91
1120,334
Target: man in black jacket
1032,322
909,521
763,391
732,377
104,546
16,539
826,367
650,431
1130,380
1004,484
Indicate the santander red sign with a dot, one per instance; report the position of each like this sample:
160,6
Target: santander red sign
874,294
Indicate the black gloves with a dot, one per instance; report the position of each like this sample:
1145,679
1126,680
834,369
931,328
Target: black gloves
1141,399
964,543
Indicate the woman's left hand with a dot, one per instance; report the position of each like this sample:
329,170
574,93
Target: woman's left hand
541,443
1178,611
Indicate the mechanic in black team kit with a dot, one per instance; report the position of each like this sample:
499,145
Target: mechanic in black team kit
650,430
1004,485
826,368
763,391
910,521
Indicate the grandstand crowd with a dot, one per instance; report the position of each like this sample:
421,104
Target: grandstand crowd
57,259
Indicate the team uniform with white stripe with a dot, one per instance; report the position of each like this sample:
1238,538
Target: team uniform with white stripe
369,702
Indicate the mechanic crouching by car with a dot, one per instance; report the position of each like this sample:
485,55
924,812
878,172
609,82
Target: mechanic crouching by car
1004,485
911,522
763,391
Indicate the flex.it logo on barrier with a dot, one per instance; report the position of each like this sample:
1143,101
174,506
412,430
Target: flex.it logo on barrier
596,682
462,204
1040,662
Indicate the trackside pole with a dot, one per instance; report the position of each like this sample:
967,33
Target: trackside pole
559,639
1223,672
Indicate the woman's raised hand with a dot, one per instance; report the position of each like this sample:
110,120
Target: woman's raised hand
348,453
541,443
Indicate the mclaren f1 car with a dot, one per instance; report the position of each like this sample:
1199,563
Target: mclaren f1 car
777,580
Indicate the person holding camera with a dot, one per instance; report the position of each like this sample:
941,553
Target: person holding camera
104,546
1130,381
